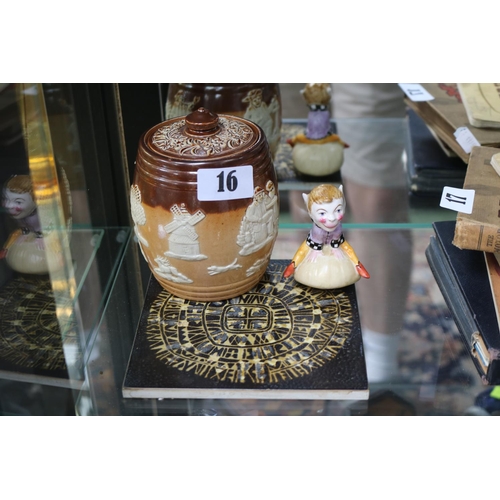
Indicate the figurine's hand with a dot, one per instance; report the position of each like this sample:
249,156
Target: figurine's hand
362,271
290,269
3,253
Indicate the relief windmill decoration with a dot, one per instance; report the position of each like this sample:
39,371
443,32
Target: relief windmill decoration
183,240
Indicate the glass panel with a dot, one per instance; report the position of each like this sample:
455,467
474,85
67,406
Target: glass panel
56,267
65,135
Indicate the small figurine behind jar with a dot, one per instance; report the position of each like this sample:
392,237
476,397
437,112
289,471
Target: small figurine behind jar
325,260
27,250
318,152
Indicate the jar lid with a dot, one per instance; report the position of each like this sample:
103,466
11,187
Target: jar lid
201,134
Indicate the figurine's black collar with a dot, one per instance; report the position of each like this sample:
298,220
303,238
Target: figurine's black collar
318,107
318,246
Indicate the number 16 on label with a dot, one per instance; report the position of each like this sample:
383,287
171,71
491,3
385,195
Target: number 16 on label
231,183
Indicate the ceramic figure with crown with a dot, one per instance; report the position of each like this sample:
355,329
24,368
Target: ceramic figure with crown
317,152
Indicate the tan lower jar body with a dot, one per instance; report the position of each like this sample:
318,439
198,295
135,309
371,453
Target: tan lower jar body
198,249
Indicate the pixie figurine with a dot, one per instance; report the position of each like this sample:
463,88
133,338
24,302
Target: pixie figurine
325,260
25,249
19,201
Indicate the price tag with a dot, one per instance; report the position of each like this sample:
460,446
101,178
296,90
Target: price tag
231,183
460,200
416,92
466,139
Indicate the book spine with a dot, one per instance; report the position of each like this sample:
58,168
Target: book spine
475,236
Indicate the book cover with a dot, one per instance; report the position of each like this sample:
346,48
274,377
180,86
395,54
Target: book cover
429,167
446,113
493,269
482,103
462,277
480,230
280,340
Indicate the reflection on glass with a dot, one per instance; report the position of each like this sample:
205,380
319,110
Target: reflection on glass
47,193
375,186
39,341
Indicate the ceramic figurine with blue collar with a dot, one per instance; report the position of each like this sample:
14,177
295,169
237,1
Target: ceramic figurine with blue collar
318,151
325,259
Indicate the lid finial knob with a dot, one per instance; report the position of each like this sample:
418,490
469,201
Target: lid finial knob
202,122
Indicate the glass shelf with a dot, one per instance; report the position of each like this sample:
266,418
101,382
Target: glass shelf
424,370
39,349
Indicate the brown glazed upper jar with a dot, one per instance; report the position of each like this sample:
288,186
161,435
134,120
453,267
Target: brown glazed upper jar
205,204
257,102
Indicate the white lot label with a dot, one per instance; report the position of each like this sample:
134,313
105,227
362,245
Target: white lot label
415,92
231,183
466,139
460,200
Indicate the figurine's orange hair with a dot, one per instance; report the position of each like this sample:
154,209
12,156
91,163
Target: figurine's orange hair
324,193
20,184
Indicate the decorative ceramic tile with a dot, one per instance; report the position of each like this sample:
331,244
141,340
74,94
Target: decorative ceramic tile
279,340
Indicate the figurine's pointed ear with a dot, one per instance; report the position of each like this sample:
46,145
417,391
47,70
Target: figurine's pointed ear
305,197
341,189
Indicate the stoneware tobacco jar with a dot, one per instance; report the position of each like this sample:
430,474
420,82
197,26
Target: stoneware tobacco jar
205,205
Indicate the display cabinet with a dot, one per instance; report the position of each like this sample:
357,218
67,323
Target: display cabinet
416,362
66,140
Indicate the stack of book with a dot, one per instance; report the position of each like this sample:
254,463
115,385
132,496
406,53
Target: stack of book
447,112
463,256
482,103
429,168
